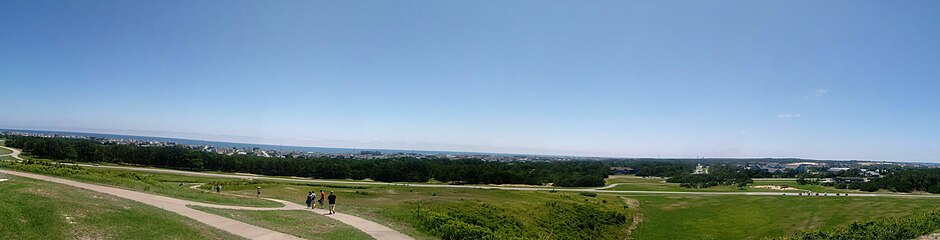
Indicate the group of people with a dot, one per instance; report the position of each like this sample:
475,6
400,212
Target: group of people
312,200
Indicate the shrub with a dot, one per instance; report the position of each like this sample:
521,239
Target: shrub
589,194
909,227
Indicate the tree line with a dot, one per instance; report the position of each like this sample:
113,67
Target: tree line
717,175
910,180
403,169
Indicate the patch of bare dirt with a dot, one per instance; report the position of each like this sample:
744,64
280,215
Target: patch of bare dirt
637,215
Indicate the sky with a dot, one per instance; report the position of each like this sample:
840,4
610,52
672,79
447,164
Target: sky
808,79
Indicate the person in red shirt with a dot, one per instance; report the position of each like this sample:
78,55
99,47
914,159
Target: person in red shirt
322,196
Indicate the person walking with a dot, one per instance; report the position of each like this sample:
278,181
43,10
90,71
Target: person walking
322,197
332,203
259,191
309,200
218,188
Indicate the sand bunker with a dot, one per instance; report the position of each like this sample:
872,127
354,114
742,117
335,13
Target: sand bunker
774,187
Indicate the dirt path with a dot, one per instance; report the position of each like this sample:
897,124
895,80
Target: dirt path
249,231
637,215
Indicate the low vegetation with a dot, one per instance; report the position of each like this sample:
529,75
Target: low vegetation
909,227
548,220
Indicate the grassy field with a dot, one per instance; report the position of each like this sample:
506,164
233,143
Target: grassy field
33,209
161,184
418,211
754,217
304,224
632,183
525,212
4,151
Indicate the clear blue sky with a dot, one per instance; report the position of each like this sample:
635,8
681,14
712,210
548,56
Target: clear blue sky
812,79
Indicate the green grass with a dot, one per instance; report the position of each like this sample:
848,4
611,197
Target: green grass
754,217
160,184
303,224
632,183
33,209
394,206
4,151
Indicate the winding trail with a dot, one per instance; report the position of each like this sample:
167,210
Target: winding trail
239,228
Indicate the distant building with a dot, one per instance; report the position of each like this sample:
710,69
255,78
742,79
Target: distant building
838,169
375,153
699,169
622,170
847,179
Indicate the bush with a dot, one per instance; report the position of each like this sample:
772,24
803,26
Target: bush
551,220
888,228
589,194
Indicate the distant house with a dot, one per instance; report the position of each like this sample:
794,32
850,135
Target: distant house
797,167
699,169
622,170
847,179
872,174
773,168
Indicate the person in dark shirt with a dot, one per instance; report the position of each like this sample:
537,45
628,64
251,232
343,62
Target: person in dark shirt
332,199
309,199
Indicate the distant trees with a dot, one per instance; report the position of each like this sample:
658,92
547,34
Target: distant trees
656,168
405,169
717,175
927,180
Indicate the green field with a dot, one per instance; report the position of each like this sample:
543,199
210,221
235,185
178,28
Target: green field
4,151
33,209
533,214
753,217
304,224
633,183
395,206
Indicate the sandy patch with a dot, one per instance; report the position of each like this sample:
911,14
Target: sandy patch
774,187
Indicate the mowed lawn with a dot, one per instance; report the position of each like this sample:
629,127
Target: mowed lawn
393,206
303,224
633,183
4,151
33,209
756,217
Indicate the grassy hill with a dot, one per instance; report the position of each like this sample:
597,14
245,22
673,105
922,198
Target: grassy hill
34,209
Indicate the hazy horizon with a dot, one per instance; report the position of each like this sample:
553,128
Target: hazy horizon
734,79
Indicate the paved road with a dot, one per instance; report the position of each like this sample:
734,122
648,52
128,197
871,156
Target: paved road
249,231
599,190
